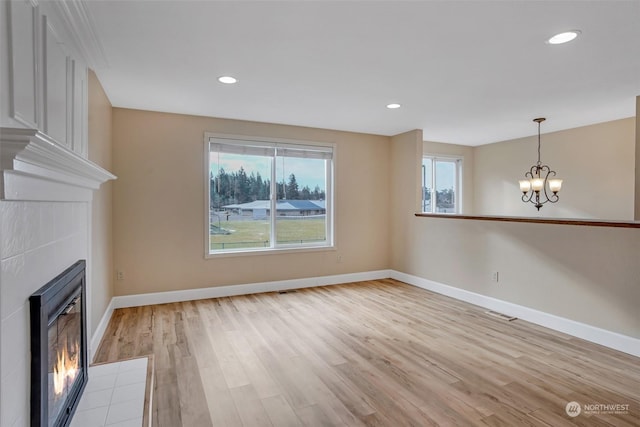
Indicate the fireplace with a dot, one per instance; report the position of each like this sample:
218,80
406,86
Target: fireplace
58,348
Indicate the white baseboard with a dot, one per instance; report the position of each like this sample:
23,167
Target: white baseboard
101,329
594,334
246,289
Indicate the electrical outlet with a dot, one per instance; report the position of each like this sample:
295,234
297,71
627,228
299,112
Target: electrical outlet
495,276
339,259
119,275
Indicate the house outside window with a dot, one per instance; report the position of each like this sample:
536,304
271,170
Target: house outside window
441,184
265,195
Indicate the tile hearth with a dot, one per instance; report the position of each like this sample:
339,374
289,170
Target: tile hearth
114,396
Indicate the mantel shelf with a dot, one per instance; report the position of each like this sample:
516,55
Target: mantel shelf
561,221
35,167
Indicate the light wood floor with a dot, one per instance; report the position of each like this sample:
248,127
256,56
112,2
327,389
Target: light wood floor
377,353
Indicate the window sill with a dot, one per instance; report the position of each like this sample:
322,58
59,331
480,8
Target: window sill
270,251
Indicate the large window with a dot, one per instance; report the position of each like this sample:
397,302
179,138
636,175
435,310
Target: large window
441,177
265,195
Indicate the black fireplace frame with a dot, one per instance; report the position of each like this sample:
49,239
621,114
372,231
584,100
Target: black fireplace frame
47,303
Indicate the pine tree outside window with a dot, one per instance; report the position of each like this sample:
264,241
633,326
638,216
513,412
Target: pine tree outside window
266,195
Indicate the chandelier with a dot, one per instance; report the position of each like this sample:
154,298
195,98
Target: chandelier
540,181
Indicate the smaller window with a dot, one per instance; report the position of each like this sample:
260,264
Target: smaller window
441,188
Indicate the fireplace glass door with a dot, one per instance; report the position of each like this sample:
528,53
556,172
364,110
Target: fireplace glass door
65,362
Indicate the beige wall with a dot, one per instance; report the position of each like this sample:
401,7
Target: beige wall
597,164
587,274
466,153
159,222
101,217
406,163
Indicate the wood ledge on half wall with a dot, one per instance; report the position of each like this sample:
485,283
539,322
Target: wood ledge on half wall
561,221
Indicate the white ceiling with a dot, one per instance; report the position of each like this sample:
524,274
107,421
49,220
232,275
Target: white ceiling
466,72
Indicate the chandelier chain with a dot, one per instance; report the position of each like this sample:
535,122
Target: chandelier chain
539,120
539,143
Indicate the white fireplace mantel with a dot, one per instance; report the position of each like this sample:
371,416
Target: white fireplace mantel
35,167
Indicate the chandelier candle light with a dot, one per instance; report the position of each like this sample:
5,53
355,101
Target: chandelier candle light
539,179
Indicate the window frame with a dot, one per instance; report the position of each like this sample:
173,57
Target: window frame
459,163
329,244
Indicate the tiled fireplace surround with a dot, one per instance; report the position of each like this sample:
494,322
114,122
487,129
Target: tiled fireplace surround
45,226
38,241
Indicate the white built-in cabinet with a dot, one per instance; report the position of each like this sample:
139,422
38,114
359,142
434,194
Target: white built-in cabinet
47,76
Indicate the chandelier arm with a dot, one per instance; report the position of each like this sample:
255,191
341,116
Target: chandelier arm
529,195
554,197
546,169
548,173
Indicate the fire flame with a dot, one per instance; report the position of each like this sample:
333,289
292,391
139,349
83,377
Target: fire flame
66,368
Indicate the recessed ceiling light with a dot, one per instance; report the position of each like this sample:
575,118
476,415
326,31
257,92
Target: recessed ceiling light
565,37
393,106
227,80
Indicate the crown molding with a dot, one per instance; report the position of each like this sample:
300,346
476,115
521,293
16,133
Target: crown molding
35,167
81,27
